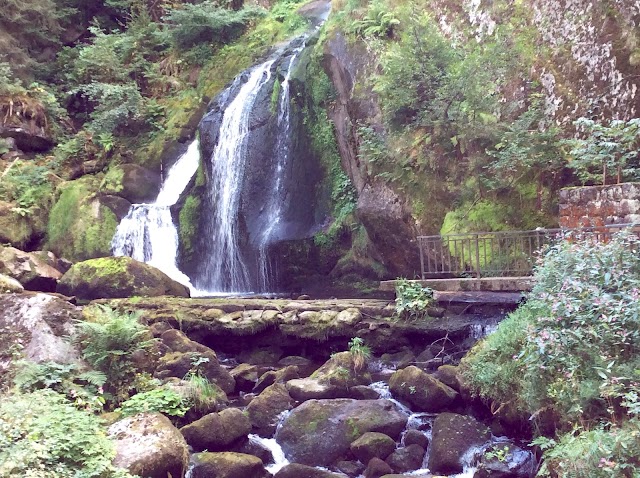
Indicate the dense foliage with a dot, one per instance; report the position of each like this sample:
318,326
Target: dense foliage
569,357
43,435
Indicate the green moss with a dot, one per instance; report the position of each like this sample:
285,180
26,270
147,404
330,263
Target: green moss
188,222
79,226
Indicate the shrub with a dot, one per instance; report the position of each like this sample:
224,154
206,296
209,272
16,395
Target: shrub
570,354
163,400
43,435
412,300
360,353
83,389
603,452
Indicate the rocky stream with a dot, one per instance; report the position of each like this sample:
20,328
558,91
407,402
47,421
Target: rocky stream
294,397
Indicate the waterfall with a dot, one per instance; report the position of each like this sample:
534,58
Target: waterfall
275,202
225,268
147,233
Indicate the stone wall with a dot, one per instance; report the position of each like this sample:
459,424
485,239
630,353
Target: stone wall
594,206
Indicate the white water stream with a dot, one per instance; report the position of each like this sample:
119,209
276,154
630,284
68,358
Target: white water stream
226,269
277,198
147,233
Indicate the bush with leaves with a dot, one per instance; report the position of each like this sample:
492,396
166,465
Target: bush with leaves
360,353
108,342
163,400
569,356
82,388
45,436
27,185
412,300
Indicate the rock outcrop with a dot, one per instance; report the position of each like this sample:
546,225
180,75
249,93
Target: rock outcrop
217,431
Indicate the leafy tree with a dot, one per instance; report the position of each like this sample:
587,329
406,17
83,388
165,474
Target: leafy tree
607,147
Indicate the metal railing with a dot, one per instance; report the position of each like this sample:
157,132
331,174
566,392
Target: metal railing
496,254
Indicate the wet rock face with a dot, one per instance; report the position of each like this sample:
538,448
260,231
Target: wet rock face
265,409
453,436
320,432
112,277
421,390
149,445
217,431
390,227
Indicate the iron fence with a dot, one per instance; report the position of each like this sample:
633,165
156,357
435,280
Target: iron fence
496,254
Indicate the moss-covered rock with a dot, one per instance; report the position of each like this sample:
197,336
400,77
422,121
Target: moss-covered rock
80,227
246,376
265,409
453,435
149,445
319,432
113,277
372,445
227,465
19,229
421,390
217,431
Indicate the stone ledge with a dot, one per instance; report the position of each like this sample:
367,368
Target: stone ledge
486,284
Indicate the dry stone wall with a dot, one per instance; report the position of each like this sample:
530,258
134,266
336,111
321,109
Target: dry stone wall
595,206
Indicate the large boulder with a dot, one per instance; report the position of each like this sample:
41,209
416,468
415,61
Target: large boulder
387,218
453,435
38,325
421,390
227,465
265,410
319,432
149,445
217,431
34,270
117,277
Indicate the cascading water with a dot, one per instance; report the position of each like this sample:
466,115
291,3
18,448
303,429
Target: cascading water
225,268
147,233
276,200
